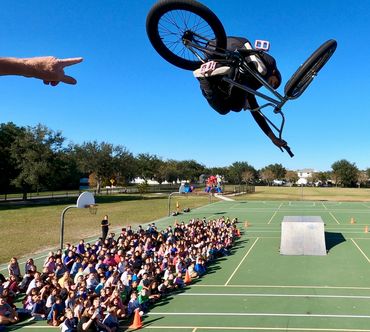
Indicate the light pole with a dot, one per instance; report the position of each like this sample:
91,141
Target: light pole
85,200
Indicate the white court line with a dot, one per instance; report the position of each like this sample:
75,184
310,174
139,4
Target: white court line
367,258
253,328
284,286
274,214
324,206
317,210
334,218
355,297
232,328
255,314
241,262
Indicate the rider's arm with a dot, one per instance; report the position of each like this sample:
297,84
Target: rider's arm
262,123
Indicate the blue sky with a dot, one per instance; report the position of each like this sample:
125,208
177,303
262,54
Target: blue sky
127,94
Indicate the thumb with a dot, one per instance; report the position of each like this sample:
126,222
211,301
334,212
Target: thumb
68,80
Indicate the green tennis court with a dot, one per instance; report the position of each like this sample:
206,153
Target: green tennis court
257,289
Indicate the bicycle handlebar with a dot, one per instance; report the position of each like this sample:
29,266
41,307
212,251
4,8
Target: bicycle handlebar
287,149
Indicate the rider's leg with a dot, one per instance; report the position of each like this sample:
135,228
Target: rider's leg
216,97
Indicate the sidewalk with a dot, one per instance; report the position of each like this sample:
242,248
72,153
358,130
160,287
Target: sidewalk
220,196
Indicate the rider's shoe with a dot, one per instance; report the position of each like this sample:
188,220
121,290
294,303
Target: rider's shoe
223,70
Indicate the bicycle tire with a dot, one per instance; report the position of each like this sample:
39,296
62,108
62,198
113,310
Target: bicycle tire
166,31
304,75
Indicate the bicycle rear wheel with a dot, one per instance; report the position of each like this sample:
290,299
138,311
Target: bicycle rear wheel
184,32
302,78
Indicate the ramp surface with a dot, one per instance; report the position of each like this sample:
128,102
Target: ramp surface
302,235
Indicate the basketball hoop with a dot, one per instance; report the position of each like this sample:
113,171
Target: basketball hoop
93,208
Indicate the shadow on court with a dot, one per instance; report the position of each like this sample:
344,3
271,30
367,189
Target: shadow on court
333,239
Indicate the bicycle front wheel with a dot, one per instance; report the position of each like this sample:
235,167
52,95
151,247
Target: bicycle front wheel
302,78
184,32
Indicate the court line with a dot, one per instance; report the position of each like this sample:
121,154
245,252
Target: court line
241,262
334,218
324,205
355,297
274,214
255,314
358,247
232,328
284,286
255,328
305,208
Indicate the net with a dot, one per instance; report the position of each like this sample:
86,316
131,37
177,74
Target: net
93,208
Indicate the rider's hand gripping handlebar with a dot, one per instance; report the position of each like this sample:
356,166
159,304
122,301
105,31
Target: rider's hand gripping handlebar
287,149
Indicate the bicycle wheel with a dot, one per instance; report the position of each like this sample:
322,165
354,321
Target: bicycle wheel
183,32
302,78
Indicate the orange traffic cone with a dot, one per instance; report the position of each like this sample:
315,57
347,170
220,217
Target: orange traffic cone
187,279
136,324
353,220
366,229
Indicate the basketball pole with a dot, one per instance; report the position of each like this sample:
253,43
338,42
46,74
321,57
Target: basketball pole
62,224
85,200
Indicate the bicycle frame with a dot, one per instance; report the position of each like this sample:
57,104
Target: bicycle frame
229,58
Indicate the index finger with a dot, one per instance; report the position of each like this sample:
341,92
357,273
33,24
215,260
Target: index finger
70,61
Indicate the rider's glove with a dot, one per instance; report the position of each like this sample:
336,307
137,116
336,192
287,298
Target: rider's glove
279,142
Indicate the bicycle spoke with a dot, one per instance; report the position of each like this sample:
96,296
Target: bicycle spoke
174,24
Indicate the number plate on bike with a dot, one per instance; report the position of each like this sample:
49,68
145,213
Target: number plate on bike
263,45
208,67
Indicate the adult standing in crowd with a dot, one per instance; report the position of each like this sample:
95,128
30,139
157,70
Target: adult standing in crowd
105,227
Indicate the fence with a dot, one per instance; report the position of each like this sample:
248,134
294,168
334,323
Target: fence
164,188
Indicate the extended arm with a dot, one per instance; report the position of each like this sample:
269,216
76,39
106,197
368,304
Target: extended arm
262,123
48,68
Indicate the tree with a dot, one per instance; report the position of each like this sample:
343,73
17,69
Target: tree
278,170
190,170
96,158
291,176
34,153
65,173
362,178
143,188
267,175
248,176
236,171
323,177
124,165
217,170
148,166
168,171
345,173
8,134
368,172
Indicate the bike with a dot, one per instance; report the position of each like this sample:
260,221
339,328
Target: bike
188,34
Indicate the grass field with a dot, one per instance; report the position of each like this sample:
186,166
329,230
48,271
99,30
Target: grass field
308,193
257,289
34,227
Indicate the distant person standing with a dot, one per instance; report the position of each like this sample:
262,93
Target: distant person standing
105,227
